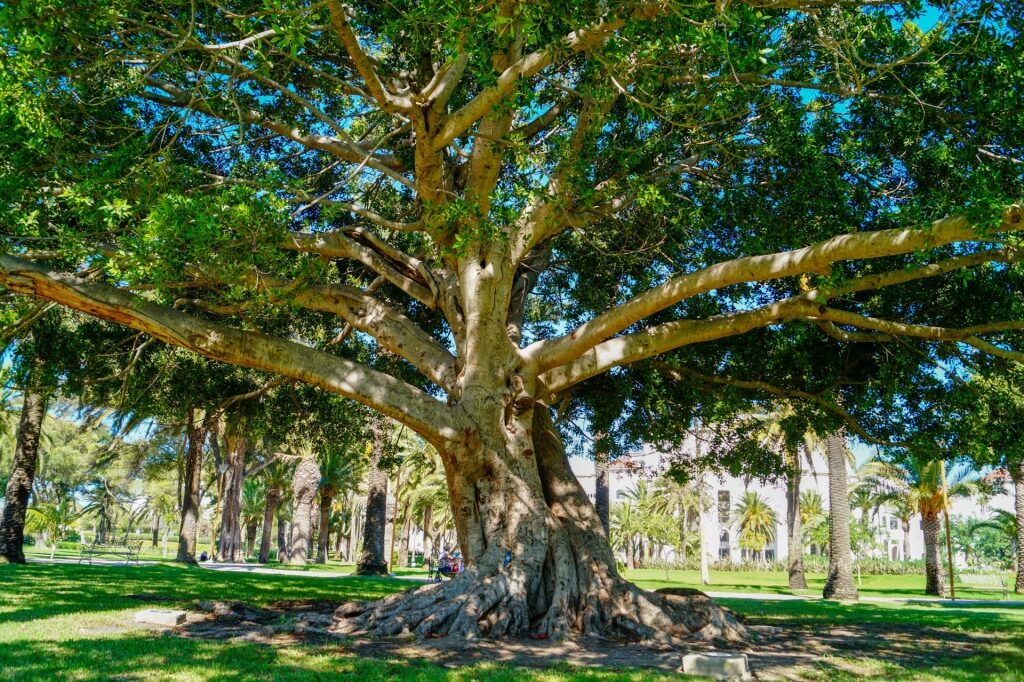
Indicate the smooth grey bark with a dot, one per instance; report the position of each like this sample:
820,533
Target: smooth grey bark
272,500
1017,475
372,560
839,583
190,489
905,523
935,577
795,544
23,472
305,482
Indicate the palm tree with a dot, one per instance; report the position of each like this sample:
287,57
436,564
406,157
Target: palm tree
919,483
654,527
338,472
625,528
1007,524
104,499
756,522
814,519
676,499
54,518
252,509
839,583
782,432
276,478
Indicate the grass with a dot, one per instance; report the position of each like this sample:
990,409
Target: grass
67,622
777,583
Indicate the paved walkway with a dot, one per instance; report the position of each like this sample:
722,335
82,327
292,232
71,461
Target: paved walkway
85,562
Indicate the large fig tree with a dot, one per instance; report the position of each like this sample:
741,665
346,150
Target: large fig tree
450,180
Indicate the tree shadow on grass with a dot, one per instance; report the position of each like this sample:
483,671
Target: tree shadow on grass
34,591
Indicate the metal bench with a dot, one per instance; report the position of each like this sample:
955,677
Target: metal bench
129,551
986,580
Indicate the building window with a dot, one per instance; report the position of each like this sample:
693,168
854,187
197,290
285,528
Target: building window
892,524
723,544
724,507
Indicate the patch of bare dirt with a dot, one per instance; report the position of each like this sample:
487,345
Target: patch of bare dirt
775,653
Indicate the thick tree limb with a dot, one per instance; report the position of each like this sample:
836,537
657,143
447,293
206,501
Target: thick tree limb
382,392
389,101
817,257
402,270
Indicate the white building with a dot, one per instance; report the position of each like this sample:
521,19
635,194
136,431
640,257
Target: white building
720,534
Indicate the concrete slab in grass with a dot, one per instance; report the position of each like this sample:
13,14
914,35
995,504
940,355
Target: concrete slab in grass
721,666
163,617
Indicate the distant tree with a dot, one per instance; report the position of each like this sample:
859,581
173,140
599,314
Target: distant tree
756,522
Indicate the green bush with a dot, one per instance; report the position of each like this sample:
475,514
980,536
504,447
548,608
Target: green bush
812,564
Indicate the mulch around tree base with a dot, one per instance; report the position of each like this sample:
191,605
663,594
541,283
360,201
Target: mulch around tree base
774,652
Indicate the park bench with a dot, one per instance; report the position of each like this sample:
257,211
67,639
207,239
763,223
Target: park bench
128,550
986,581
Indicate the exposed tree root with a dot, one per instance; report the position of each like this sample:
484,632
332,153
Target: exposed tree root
470,607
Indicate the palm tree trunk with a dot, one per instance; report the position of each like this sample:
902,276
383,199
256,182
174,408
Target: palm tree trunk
795,548
189,531
906,539
273,498
1017,475
839,584
305,482
23,472
935,578
428,537
403,542
282,536
601,490
326,500
250,538
705,573
371,560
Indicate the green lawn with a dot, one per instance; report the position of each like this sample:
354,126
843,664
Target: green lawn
67,622
777,583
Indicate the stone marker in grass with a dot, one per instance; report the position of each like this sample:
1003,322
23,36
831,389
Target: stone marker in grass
721,666
160,617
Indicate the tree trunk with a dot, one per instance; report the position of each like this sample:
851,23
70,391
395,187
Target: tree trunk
935,577
156,530
795,548
1017,475
305,482
250,538
23,472
372,560
537,559
839,584
189,531
273,498
230,547
705,573
282,536
326,500
906,538
601,491
403,541
428,532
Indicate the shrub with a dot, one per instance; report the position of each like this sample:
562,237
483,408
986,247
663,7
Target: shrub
812,564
